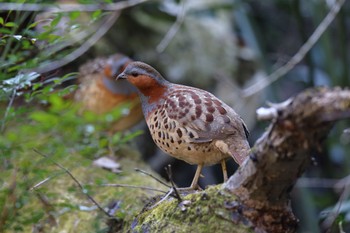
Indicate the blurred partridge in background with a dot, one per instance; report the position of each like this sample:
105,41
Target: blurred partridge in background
99,93
188,123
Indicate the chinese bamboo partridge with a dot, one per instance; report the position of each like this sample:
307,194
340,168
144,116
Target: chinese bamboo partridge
188,123
99,93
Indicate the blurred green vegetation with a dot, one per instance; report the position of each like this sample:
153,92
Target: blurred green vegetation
37,112
72,140
220,46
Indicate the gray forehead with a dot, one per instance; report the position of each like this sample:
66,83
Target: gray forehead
142,69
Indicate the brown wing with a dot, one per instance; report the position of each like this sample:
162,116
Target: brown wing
202,112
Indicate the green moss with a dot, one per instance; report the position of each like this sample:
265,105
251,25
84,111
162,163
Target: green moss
199,212
58,204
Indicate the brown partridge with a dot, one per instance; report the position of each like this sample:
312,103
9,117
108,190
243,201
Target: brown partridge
99,93
188,123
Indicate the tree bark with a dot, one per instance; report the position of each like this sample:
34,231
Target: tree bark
256,197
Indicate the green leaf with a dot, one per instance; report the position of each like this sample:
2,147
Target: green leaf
74,15
67,90
12,136
5,31
26,44
10,24
33,24
53,38
116,137
47,89
36,86
2,42
130,136
56,20
103,143
1,21
45,118
57,103
96,14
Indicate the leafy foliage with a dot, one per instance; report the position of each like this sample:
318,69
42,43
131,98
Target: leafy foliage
36,113
57,130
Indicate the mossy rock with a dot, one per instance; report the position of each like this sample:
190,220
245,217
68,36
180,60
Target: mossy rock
205,211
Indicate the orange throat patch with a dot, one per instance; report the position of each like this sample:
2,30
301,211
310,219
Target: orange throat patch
148,87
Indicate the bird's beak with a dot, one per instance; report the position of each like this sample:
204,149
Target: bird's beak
121,76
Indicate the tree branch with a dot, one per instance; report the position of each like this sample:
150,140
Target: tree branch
69,7
173,30
281,155
76,181
304,49
82,49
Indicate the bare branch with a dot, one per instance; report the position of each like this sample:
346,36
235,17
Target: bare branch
304,49
170,176
12,98
281,155
163,199
69,7
152,176
83,48
332,215
40,183
344,185
173,30
75,180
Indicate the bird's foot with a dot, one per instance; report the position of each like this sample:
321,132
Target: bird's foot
192,188
175,192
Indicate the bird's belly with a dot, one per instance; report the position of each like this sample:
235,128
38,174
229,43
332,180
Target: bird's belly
198,155
192,153
180,142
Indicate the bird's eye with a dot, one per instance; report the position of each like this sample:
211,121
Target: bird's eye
134,74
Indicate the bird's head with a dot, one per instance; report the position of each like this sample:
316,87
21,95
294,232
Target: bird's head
115,65
145,78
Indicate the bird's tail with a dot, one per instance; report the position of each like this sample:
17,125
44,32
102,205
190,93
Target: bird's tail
239,151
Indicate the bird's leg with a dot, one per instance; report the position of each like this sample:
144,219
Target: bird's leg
194,183
224,169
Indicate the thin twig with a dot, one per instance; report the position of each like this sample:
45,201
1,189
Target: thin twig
134,186
48,208
40,183
302,31
75,180
12,98
173,29
304,49
69,7
332,216
152,176
343,182
170,176
83,48
164,198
